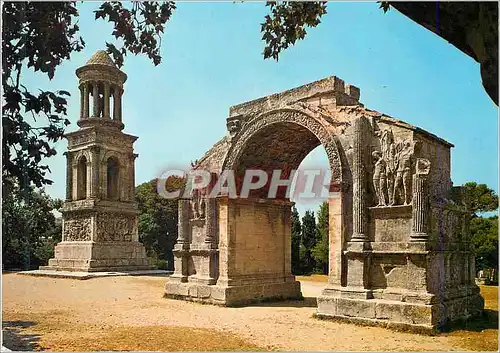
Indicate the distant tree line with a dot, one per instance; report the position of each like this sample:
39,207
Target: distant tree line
29,227
310,241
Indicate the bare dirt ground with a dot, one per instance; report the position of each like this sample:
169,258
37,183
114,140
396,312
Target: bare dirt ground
129,313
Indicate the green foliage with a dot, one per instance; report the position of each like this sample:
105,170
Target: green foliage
29,228
40,36
484,233
139,27
479,198
320,252
296,236
158,219
309,240
286,24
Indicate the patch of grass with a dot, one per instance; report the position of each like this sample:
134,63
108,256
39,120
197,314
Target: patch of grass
481,333
53,332
313,278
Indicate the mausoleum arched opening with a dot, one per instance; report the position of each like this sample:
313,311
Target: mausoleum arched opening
81,170
113,178
277,149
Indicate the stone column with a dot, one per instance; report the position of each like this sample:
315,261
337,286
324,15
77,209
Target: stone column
95,95
69,176
85,100
106,101
210,222
132,175
82,101
421,210
89,179
183,225
359,182
115,103
120,93
95,185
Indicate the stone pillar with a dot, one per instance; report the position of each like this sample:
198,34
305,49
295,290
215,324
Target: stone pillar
82,101
359,183
69,176
95,166
181,248
132,176
420,215
89,179
106,101
120,93
85,100
117,107
95,95
183,230
210,222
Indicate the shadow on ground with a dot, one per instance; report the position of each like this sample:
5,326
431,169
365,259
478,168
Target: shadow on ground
15,339
488,320
307,302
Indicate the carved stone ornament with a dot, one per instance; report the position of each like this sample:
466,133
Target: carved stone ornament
392,174
77,228
197,205
115,227
233,124
282,116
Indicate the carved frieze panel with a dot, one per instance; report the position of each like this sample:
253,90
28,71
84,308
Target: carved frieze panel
115,227
392,169
81,139
77,228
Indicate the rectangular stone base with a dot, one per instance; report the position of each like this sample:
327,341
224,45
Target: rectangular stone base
232,295
410,316
88,275
99,257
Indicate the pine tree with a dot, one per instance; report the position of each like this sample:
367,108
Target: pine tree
320,251
308,240
296,235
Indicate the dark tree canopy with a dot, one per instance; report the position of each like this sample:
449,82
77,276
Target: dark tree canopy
158,219
484,233
478,198
320,251
29,229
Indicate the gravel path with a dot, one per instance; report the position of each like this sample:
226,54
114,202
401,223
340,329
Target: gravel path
137,301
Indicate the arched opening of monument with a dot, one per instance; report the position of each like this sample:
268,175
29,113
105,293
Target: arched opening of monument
113,177
310,221
81,176
263,220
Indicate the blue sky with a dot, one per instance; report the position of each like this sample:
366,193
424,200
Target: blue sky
212,59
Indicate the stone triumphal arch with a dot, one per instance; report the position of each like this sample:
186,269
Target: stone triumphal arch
400,251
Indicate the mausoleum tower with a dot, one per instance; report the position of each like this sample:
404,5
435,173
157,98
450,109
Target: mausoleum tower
99,215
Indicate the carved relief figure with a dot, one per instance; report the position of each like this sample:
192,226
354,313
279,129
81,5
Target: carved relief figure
77,229
116,228
197,204
379,178
388,155
233,125
100,104
397,159
402,183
